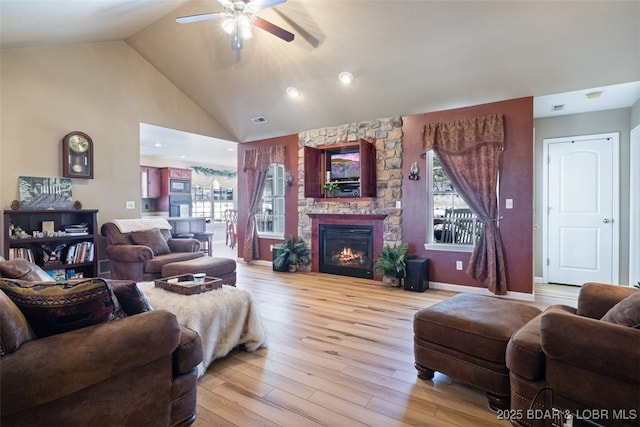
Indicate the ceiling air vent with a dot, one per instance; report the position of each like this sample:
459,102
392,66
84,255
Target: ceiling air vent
258,120
557,107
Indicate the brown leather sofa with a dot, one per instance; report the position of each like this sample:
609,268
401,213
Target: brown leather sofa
568,359
139,370
138,256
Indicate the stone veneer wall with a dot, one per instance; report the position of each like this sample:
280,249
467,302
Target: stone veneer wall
387,134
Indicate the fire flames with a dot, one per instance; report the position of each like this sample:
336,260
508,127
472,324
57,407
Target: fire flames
348,256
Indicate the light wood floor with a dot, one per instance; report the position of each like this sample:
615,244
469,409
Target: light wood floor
340,353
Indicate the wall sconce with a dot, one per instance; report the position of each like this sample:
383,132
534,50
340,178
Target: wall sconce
288,179
414,170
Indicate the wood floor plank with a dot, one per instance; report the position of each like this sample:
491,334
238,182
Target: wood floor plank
339,353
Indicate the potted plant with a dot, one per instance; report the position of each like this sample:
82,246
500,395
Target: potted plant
329,188
291,254
391,264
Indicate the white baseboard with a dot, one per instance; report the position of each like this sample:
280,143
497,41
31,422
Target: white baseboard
480,291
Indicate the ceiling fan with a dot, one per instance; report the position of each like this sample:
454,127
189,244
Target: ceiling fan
238,17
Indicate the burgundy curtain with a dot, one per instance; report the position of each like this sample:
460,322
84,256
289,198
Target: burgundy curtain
256,165
470,152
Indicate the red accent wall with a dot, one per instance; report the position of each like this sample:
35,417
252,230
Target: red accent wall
516,182
291,193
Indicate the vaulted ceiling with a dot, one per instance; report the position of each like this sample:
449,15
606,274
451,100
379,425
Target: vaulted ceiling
407,57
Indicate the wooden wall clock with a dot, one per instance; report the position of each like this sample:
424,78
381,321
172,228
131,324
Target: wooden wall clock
77,155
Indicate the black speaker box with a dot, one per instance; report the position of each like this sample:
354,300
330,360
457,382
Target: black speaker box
417,278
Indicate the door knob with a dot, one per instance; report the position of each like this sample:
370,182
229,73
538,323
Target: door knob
607,220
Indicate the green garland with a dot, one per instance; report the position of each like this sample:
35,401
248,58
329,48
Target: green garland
213,172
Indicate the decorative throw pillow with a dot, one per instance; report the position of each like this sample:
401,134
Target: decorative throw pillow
626,312
152,238
130,297
14,328
22,269
56,307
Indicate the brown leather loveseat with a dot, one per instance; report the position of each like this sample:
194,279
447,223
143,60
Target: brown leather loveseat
583,361
139,248
137,370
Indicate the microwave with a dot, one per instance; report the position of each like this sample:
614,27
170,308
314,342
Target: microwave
179,186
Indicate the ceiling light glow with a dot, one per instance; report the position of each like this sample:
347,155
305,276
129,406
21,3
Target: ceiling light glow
345,77
594,94
229,25
293,92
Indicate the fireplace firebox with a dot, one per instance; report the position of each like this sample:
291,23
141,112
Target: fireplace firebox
346,250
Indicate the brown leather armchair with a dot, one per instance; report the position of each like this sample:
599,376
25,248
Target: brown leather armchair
140,255
568,359
139,370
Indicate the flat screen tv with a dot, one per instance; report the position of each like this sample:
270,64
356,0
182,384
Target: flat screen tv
345,166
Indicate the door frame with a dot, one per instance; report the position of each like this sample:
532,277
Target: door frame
634,206
615,237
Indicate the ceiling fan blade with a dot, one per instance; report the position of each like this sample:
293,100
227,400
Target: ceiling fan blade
274,29
201,17
263,4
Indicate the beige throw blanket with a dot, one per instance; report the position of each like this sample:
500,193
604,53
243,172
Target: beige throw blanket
224,318
138,224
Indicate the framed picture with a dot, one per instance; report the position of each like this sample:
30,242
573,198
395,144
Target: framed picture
44,193
48,227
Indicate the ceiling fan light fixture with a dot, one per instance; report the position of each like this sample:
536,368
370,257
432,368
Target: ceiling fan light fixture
228,25
345,77
244,23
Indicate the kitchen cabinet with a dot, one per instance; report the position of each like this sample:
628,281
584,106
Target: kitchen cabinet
150,182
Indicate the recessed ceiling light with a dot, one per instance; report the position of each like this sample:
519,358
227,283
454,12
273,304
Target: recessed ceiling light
345,77
293,92
157,144
594,94
258,120
182,156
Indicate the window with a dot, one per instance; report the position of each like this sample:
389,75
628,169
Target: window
211,201
270,216
451,224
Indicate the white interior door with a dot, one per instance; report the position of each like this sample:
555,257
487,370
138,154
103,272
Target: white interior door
582,198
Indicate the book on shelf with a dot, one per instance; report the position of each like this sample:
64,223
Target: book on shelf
76,229
70,253
24,253
59,274
80,253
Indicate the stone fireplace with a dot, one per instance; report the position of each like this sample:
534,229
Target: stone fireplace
380,212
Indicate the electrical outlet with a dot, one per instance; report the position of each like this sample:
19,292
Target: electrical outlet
130,204
270,248
509,204
458,265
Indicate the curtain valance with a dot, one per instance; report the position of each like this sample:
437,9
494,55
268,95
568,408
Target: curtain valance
462,136
261,158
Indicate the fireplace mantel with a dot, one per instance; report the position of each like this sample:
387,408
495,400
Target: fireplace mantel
348,217
374,220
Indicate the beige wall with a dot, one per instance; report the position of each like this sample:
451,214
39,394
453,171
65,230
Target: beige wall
103,89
